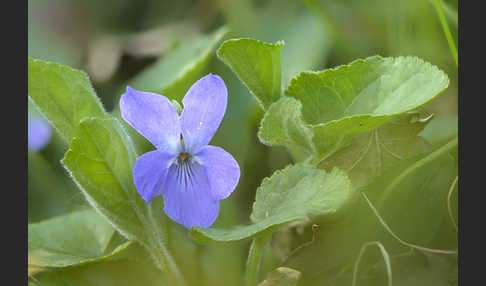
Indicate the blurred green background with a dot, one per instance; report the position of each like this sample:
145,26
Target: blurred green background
113,41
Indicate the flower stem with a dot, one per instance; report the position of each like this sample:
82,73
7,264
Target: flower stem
254,259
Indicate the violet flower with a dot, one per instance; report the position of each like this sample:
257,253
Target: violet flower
191,175
38,133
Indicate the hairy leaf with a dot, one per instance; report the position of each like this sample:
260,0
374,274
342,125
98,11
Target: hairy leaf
63,95
351,99
100,160
282,124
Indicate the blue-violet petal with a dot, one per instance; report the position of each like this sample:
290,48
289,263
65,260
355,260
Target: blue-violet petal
204,108
153,116
222,170
188,199
150,172
38,133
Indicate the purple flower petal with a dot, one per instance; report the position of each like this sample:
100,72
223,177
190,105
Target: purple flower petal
153,116
150,172
222,170
38,133
204,107
188,200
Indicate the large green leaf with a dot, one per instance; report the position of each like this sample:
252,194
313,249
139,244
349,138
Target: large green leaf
376,150
63,95
373,86
296,192
406,211
419,187
175,72
341,103
71,239
257,65
100,160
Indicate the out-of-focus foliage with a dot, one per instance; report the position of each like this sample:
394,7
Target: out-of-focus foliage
403,174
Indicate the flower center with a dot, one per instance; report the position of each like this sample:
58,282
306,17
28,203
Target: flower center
183,155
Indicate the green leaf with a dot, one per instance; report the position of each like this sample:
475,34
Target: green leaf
282,124
282,276
133,269
100,160
257,65
63,95
419,187
371,152
175,72
72,239
414,209
296,192
351,99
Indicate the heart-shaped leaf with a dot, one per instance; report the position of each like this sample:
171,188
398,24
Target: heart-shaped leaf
340,103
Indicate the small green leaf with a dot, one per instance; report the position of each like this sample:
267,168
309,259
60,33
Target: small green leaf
72,239
257,65
282,124
175,72
371,152
63,95
282,276
296,192
351,99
